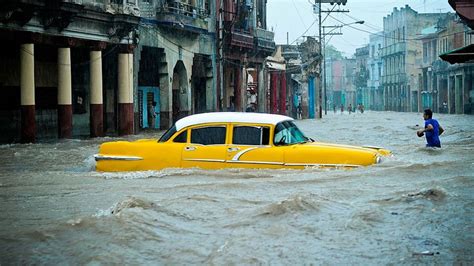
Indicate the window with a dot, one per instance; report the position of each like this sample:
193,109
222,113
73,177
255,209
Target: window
182,137
287,133
208,135
425,52
251,135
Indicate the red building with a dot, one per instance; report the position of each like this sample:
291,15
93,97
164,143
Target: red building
243,44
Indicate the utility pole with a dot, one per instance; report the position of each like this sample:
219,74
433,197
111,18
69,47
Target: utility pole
321,70
320,87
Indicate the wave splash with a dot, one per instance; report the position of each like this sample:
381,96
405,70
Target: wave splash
295,204
128,203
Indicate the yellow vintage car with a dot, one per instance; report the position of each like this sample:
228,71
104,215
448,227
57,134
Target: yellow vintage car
232,140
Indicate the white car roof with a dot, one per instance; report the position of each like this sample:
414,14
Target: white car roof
230,117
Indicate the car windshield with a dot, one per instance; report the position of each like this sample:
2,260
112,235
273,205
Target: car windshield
168,134
287,133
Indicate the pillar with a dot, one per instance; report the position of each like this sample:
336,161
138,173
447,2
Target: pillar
64,93
125,93
283,93
27,85
273,89
238,89
261,90
448,87
96,90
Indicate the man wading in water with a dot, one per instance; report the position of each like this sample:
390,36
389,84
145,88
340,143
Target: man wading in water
432,130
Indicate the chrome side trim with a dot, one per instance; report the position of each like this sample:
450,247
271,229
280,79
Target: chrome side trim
98,157
206,160
239,154
322,165
372,147
255,162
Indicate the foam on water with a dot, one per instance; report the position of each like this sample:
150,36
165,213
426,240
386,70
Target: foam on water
57,210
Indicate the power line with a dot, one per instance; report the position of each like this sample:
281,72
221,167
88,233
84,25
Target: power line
316,19
298,12
393,38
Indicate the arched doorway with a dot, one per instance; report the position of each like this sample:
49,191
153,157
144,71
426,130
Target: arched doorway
201,82
180,91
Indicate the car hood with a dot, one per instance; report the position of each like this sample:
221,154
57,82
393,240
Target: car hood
374,149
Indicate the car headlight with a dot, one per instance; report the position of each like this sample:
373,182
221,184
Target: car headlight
378,159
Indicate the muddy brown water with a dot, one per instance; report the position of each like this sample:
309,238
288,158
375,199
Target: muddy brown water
414,208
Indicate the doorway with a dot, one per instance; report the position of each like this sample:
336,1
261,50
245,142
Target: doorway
149,107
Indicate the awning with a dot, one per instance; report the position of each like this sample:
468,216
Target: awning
460,55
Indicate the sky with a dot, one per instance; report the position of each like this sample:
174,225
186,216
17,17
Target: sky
297,18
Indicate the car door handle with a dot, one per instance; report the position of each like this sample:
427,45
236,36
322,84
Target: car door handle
190,148
232,149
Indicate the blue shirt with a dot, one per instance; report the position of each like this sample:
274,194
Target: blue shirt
432,136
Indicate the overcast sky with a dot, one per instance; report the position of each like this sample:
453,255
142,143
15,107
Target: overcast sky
296,18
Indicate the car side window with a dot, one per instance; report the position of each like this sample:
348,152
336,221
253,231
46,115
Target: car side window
182,137
251,135
208,135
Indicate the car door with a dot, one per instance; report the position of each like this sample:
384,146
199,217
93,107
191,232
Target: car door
250,147
206,147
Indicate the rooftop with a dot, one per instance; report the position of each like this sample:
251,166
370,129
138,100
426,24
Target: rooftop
230,117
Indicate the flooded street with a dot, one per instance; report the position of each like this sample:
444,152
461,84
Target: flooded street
415,208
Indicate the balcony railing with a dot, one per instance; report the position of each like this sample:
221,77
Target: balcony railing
179,8
394,49
264,34
395,78
241,38
182,16
264,39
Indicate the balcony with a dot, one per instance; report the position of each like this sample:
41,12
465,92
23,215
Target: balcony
394,49
183,16
395,78
241,38
264,40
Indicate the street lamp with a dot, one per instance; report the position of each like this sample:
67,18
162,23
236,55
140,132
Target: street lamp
323,50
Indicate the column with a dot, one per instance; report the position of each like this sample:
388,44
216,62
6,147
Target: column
448,87
438,110
64,93
96,105
273,89
283,93
165,100
125,93
27,85
261,89
238,89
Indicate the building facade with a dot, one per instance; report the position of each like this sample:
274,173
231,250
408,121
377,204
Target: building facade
67,69
342,86
375,67
176,61
115,67
243,45
401,55
311,62
446,88
362,76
